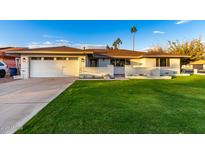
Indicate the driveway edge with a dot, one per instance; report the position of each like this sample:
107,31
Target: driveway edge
20,124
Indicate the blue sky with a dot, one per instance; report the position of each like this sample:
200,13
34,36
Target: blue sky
150,33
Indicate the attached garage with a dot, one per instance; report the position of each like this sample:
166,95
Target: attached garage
58,61
54,66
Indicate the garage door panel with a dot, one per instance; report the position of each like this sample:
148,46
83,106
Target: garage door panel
54,68
69,68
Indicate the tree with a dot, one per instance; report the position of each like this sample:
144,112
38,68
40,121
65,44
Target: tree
116,44
107,47
133,31
195,49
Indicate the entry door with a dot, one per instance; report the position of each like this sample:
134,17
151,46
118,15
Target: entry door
119,66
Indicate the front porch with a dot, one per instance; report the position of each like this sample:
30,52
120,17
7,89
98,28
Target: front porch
104,67
128,71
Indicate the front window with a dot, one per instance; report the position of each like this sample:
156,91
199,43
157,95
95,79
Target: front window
93,62
72,58
60,58
120,62
48,58
35,58
163,62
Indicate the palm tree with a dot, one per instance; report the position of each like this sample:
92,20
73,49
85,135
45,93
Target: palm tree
107,47
117,43
133,31
114,45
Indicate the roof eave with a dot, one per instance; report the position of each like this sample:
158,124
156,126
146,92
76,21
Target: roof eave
48,52
128,57
168,56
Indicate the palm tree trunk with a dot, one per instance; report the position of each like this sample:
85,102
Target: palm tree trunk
133,42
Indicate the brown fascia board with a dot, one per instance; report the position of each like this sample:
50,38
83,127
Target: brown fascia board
164,56
128,57
48,52
150,56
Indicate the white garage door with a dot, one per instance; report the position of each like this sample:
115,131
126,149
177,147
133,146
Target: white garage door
54,67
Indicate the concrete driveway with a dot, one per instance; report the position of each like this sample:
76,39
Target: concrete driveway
20,100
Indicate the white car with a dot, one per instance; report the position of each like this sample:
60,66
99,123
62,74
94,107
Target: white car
3,69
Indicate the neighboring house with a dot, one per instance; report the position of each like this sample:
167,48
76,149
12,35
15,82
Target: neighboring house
199,64
12,61
9,60
67,61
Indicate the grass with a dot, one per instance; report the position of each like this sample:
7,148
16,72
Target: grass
130,106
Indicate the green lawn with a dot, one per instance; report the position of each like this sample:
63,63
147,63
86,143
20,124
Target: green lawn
129,106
